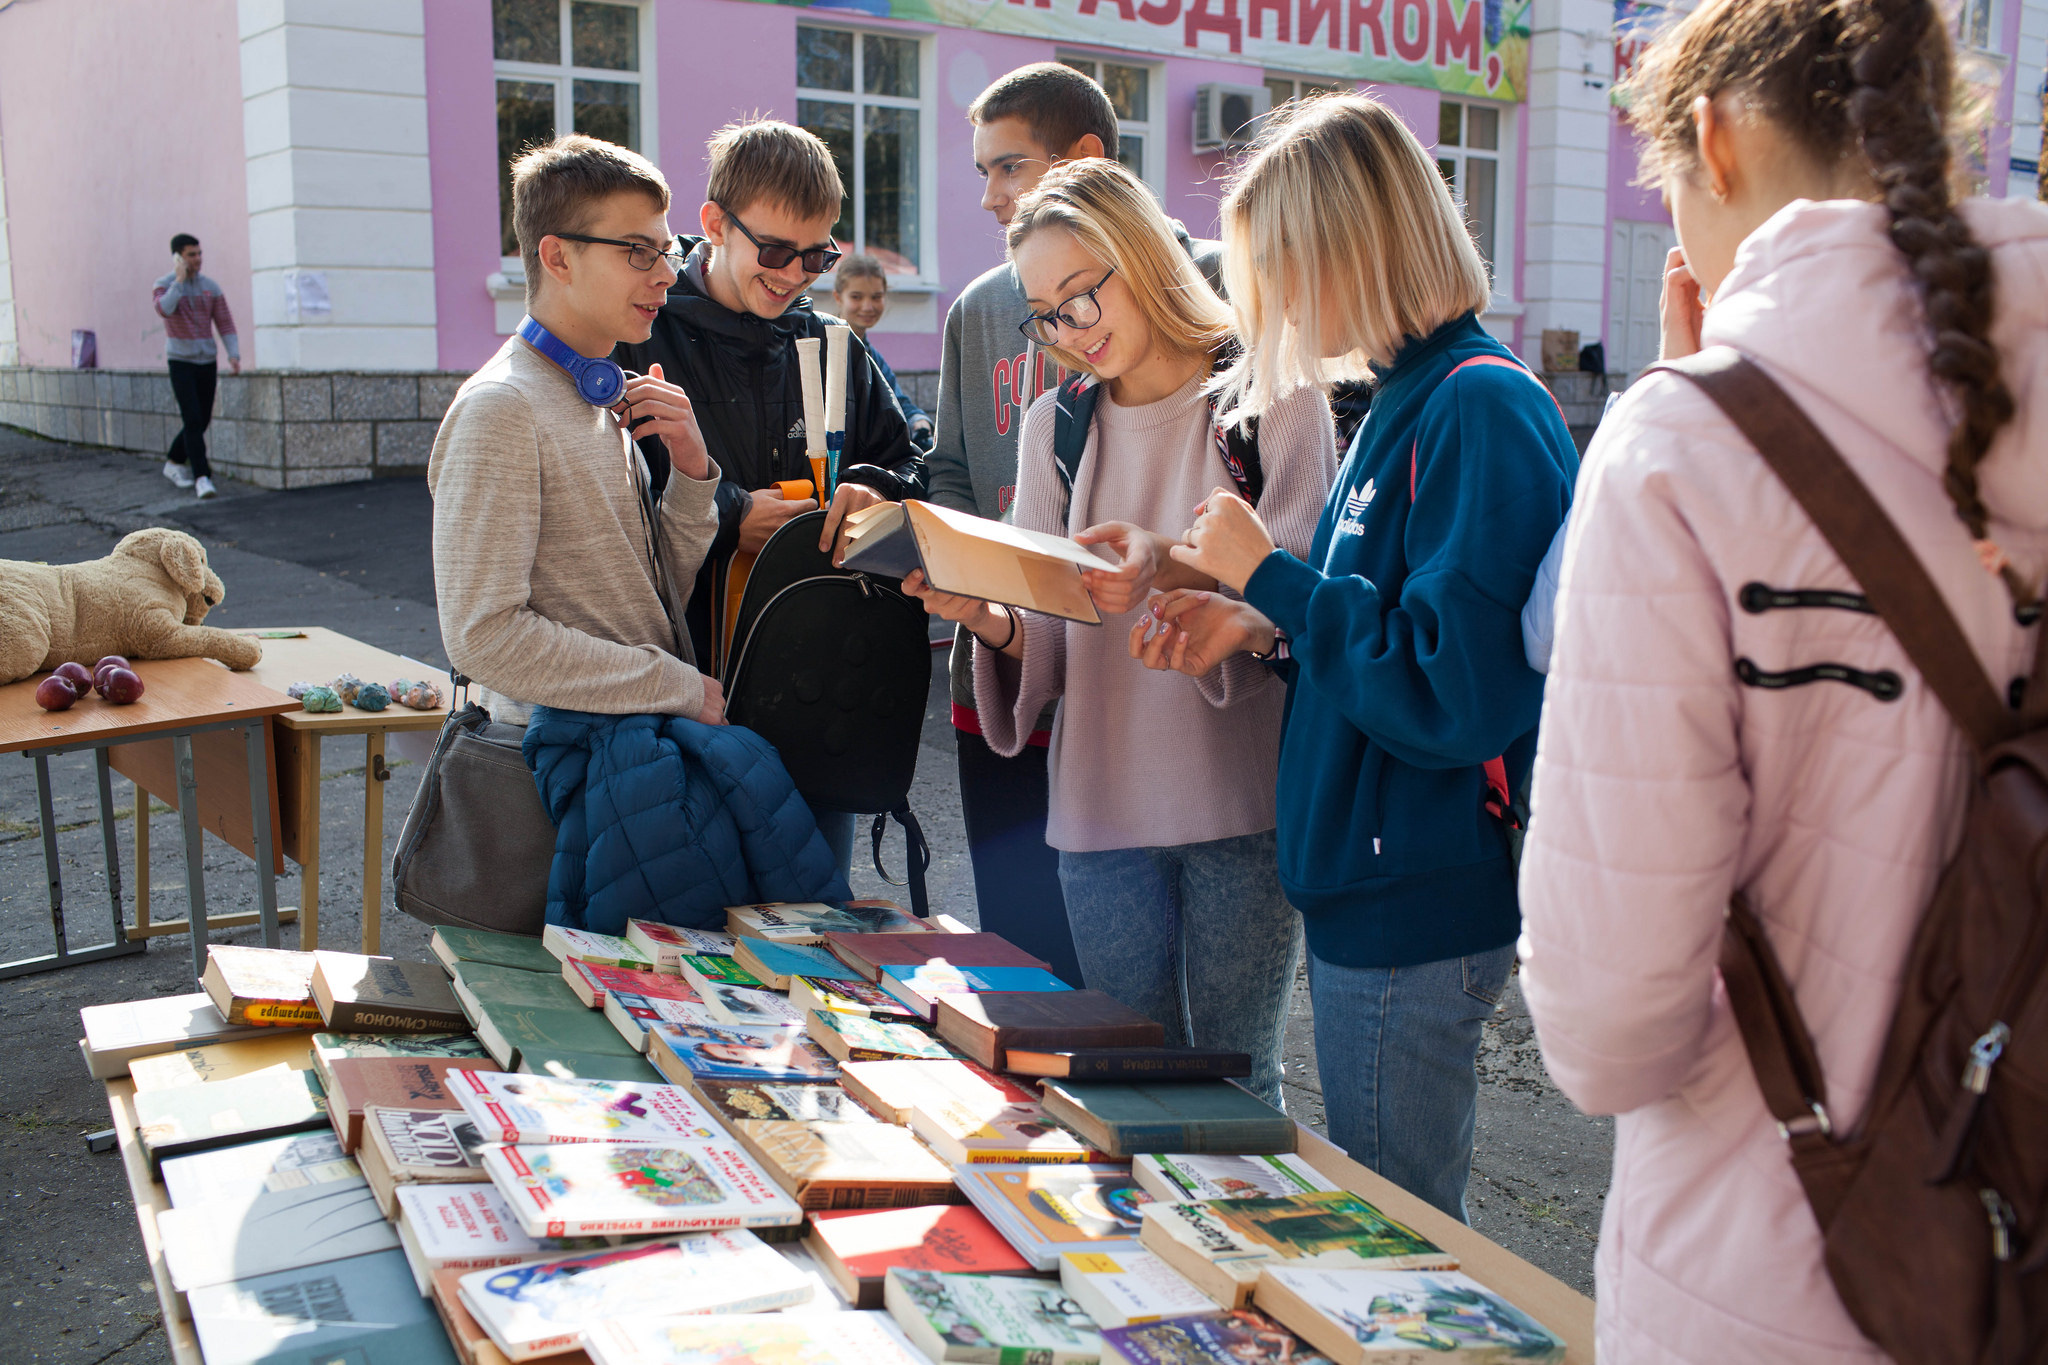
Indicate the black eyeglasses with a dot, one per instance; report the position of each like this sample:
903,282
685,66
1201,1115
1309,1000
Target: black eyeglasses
775,256
1079,312
639,255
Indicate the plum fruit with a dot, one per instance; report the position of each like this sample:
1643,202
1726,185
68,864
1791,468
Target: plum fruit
55,693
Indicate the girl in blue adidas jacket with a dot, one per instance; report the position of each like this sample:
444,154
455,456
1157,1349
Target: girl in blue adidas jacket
1411,711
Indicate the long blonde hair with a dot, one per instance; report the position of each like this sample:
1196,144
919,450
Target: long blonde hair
1113,215
1339,218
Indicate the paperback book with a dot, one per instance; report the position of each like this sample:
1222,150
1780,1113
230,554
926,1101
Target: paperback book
1120,1287
1169,1116
774,964
972,1135
895,1089
746,1006
116,1034
541,1109
362,1309
197,1118
358,994
666,945
599,950
681,1051
633,1015
846,1165
263,986
1047,1211
990,1319
856,1248
1221,1245
450,946
394,1083
592,983
986,1025
808,993
855,1038
1211,1338
769,1339
222,1061
921,986
699,968
237,1175
785,1101
1363,1316
417,1147
589,1189
808,923
464,1227
280,1229
1183,1177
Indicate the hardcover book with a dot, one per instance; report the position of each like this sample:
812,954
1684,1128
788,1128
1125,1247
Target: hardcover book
417,1147
745,1007
392,1082
364,1309
329,1048
788,1101
768,1339
846,1165
1183,1177
734,1054
854,1038
632,1015
539,1109
545,1306
974,556
1210,1338
197,1118
871,954
1170,1116
807,993
326,1220
773,964
589,1189
357,994
600,950
968,1134
451,946
263,986
222,1061
1047,1211
894,1089
251,1170
920,986
1135,1064
512,1011
857,1247
666,945
808,923
990,1319
482,986
116,1034
988,1024
1363,1316
592,983
587,1066
1120,1287
1222,1244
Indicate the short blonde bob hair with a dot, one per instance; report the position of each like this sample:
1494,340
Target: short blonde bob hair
1113,215
1340,240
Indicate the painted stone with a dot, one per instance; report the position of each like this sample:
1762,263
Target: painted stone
371,697
346,686
320,699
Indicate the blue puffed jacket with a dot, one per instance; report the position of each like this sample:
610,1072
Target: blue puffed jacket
662,818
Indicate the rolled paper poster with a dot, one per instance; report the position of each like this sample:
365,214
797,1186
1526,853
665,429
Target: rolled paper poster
838,350
814,408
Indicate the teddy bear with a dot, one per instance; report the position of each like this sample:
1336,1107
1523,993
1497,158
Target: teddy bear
143,601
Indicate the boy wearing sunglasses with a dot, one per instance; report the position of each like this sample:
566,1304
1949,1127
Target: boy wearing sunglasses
727,335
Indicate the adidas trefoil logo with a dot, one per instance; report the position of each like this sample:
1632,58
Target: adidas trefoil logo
1355,504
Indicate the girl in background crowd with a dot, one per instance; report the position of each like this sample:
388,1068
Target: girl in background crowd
1801,147
860,291
1162,789
1412,713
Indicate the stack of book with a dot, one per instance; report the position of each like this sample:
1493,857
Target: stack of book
636,1149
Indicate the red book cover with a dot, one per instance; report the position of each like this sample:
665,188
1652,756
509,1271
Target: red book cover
868,954
592,983
859,1246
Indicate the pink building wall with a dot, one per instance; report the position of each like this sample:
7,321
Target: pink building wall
149,143
462,161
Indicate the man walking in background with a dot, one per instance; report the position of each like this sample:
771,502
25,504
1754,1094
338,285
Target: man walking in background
192,306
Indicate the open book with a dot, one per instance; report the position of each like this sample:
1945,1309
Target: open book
974,557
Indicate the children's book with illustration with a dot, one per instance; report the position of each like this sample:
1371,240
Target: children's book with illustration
530,1109
263,986
1184,1177
808,923
599,950
1363,1316
472,1343
788,1101
766,1339
289,1049
1222,1244
359,994
666,945
118,1033
855,1038
1212,1338
857,1247
990,1319
846,1165
1125,1120
594,1189
363,1309
1047,1211
972,556
679,1051
1122,1286
774,963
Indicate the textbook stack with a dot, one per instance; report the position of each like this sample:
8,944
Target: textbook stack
631,1149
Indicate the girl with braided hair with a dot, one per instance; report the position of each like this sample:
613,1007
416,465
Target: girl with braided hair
1803,148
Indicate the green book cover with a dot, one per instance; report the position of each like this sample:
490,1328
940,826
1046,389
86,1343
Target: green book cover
1170,1116
1323,1226
197,1118
452,945
716,968
487,984
588,1066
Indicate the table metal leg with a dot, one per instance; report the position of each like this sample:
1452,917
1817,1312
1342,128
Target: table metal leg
195,850
257,739
105,772
56,875
375,775
141,929
65,955
309,841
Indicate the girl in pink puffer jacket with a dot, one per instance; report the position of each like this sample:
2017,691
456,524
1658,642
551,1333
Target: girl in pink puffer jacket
1800,144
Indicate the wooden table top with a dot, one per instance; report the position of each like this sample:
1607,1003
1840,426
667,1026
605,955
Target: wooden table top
176,693
323,655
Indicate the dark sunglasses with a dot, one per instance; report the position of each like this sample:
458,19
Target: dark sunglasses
775,256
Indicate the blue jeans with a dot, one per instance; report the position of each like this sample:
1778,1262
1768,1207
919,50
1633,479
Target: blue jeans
1196,936
1396,1047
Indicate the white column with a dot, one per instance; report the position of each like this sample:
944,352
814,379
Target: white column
2026,95
1571,68
334,115
10,351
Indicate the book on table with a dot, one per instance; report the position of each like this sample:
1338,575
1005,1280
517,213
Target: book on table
1185,1177
1046,1211
990,1319
871,954
593,982
275,1229
1220,1245
417,1147
593,1189
921,985
329,1048
264,986
777,1338
774,963
700,968
666,945
245,1171
1169,1116
393,1082
985,1025
364,1310
587,1066
737,1054
846,1165
1121,1286
292,1050
970,1134
972,556
538,1109
894,1089
1130,1064
1242,1337
838,996
116,1034
631,1016
856,1247
1358,1317
358,994
805,923
788,1101
196,1118
511,1010
746,1007
599,950
472,1343
856,1038
451,945
467,1227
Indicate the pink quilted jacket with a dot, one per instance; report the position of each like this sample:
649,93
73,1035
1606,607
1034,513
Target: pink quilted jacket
1663,784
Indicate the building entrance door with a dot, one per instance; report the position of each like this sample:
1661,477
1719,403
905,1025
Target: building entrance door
1635,280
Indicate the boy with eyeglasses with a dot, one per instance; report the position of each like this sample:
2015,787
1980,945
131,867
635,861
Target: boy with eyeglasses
553,555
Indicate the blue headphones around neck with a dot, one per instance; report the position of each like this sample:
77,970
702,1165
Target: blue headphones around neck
599,382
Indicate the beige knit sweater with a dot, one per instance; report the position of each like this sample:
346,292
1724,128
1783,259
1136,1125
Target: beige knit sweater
541,555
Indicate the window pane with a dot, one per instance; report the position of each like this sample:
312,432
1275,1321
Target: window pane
526,116
1484,128
526,31
1130,150
824,59
605,36
1127,90
1449,116
1080,64
610,110
1307,89
1280,88
890,192
833,123
1479,204
889,66
1448,169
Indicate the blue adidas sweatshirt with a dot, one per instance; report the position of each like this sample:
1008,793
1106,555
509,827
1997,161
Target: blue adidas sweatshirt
1407,671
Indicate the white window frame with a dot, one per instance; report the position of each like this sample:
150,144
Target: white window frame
1297,79
1968,9
1152,129
926,280
563,77
1506,207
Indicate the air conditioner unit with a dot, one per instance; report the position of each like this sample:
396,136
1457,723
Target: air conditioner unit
1228,116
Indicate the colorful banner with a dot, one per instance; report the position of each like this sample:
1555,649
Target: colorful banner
1460,47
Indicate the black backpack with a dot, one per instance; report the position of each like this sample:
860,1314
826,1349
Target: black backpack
833,667
1074,414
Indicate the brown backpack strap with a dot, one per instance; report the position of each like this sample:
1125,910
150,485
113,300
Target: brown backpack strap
1860,533
1780,1049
